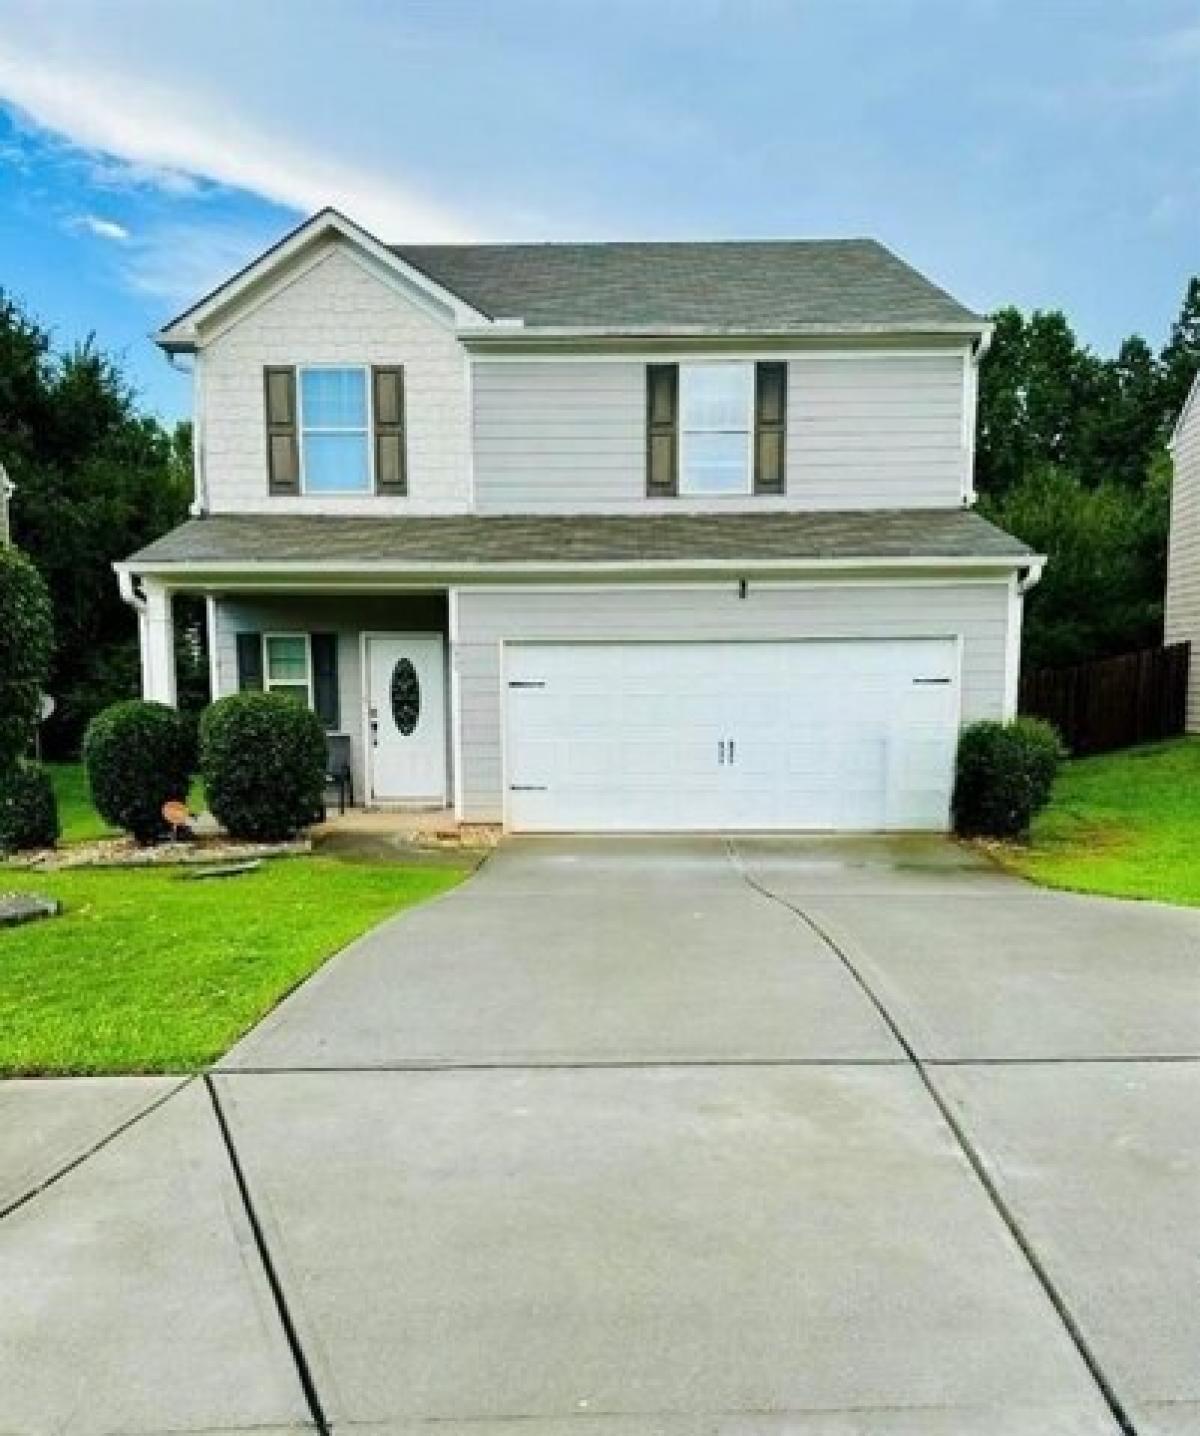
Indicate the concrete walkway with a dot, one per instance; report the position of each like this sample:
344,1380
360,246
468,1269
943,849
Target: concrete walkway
628,1136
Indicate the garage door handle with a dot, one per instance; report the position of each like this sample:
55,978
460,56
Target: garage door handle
731,750
721,750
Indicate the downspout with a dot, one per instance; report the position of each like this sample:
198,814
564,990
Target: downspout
199,504
127,585
1031,577
978,352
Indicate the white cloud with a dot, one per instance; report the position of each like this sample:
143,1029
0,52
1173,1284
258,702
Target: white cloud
102,228
150,123
178,263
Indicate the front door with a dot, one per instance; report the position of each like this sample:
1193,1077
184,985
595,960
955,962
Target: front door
406,718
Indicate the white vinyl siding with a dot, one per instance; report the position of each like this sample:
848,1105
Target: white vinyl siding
551,435
864,430
876,431
1183,568
976,612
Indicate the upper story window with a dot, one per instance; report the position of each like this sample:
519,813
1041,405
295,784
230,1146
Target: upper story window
335,429
335,449
716,428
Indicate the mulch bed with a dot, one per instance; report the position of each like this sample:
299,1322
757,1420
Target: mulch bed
124,852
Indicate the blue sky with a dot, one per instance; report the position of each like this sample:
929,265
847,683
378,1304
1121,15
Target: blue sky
1039,152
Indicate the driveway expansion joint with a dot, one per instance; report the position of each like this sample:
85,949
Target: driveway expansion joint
303,1370
91,1149
966,1146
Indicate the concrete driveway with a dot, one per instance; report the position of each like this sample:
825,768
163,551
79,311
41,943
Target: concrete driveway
646,1136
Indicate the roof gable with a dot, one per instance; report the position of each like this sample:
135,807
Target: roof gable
306,244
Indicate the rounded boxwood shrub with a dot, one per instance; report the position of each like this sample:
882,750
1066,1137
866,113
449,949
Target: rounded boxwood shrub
28,809
138,755
26,643
1004,776
263,760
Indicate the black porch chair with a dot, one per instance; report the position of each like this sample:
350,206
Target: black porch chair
338,772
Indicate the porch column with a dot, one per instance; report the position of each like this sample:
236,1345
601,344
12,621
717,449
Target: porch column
156,636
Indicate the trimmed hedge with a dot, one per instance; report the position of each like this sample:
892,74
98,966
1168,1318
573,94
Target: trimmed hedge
26,646
1005,774
139,755
28,809
263,760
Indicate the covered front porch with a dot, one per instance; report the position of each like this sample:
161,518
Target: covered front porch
373,666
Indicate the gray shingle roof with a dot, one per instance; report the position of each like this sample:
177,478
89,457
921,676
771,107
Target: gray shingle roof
554,539
773,284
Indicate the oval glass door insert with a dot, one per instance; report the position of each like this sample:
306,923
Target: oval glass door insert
406,697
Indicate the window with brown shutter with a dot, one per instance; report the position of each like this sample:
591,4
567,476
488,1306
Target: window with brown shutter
388,397
662,430
283,448
770,425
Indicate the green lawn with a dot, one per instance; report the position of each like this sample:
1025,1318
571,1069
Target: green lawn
148,971
80,821
1126,824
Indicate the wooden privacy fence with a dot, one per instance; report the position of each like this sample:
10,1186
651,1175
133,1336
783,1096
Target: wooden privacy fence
1114,702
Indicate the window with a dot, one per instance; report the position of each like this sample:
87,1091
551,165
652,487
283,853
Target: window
287,665
335,451
716,425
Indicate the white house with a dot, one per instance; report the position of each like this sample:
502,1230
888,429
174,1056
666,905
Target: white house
599,536
1182,622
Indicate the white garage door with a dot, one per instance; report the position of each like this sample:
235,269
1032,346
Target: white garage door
822,735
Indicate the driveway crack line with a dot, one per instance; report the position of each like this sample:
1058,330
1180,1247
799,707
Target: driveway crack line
967,1147
303,1369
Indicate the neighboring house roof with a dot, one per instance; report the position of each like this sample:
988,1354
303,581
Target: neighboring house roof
563,541
769,284
1189,404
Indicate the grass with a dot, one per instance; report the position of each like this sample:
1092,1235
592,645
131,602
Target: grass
81,823
1124,824
148,971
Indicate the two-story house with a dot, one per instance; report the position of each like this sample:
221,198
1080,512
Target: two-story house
1181,622
598,536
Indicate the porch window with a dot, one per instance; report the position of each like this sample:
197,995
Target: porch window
287,665
716,428
335,450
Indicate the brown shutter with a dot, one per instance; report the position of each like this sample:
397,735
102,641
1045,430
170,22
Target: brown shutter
388,404
662,430
283,445
770,425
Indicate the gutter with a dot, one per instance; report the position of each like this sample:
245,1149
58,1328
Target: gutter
127,584
250,569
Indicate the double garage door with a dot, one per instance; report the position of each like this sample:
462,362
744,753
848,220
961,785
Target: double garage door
815,734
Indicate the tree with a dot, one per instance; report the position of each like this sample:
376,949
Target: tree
1181,354
1102,589
96,479
26,644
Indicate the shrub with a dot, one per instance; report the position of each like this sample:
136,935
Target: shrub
26,643
139,755
1005,774
263,760
28,809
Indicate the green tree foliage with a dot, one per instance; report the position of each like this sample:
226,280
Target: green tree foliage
1071,458
96,479
26,647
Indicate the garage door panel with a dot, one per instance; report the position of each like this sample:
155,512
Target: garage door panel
817,734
